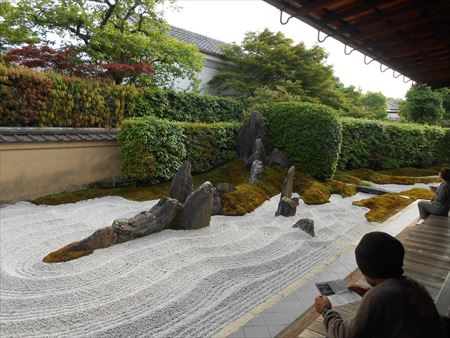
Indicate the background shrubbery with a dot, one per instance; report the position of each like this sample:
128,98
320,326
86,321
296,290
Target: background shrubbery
389,145
30,98
309,134
153,149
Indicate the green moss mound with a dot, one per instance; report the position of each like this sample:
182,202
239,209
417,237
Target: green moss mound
355,176
382,207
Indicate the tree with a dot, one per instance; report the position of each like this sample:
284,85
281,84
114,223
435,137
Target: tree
422,105
271,59
13,28
67,61
108,31
445,96
375,104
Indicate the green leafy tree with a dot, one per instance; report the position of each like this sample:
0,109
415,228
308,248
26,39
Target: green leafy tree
122,31
375,104
422,105
445,96
273,60
14,29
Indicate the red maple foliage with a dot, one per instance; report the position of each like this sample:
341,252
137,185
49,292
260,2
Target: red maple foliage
69,62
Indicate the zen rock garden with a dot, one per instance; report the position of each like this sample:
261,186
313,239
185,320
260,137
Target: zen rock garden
186,208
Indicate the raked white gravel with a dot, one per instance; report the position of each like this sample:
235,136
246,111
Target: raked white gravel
170,284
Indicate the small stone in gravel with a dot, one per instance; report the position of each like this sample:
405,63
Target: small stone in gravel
305,224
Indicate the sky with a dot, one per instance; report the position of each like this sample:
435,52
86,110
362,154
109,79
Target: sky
229,20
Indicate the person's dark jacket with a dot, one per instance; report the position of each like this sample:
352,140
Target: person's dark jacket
398,307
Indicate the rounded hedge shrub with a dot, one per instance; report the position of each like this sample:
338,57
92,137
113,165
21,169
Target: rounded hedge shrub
309,134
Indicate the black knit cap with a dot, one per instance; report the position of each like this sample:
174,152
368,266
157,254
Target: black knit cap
380,255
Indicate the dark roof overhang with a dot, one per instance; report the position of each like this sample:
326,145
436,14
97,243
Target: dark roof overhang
410,37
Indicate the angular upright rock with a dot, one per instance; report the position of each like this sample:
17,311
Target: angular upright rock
160,217
256,171
258,153
182,183
287,206
288,183
198,208
252,130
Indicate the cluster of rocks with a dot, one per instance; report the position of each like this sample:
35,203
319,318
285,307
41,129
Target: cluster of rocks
288,206
185,208
252,145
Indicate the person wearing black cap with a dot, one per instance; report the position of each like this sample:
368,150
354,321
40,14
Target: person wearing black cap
395,306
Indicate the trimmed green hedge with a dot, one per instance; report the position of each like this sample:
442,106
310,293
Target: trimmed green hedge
309,134
153,149
190,107
390,145
30,98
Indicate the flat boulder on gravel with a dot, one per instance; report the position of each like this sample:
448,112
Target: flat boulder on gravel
158,218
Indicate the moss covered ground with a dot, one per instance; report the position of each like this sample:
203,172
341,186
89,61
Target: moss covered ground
387,177
382,207
247,197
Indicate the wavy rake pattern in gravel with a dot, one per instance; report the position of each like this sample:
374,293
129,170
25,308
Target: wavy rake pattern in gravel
170,284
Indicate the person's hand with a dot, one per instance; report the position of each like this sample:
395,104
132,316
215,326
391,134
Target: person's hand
433,189
358,289
321,302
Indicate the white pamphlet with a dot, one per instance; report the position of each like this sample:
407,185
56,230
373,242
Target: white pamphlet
337,292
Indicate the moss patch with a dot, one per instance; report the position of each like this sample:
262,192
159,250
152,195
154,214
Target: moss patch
412,172
384,206
66,253
356,175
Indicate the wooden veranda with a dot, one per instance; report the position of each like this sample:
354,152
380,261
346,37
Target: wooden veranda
427,260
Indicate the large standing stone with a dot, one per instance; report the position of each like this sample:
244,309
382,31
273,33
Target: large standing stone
252,130
198,208
160,217
286,207
182,183
278,159
305,224
258,153
288,183
100,239
256,171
